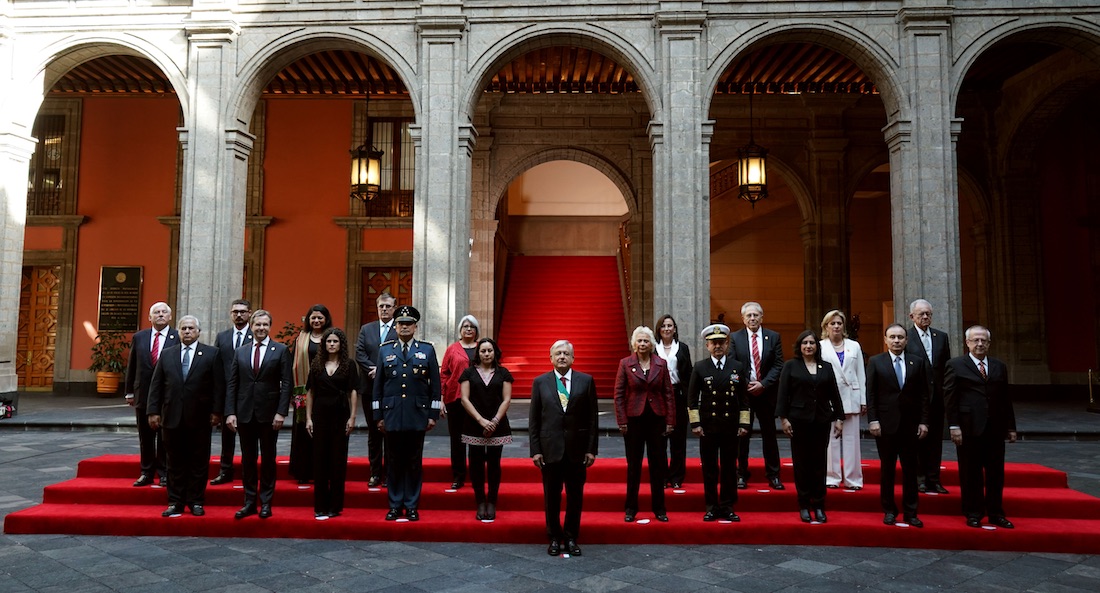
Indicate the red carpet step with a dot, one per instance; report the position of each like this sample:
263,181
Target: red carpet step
1048,515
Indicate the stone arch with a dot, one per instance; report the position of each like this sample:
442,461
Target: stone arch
498,185
537,36
273,57
867,53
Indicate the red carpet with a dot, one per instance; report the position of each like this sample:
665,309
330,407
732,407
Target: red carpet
563,298
1049,517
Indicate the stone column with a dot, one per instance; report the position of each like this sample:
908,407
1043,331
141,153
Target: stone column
827,267
16,149
441,210
924,205
215,169
680,139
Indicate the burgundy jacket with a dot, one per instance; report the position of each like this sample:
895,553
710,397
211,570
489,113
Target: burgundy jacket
634,390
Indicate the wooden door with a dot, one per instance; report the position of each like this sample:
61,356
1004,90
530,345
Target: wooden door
395,280
37,340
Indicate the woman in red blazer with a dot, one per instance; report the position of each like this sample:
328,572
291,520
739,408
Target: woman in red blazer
645,409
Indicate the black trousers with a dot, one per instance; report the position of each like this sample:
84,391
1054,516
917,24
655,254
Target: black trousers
188,456
762,407
677,441
982,474
258,440
301,448
405,472
810,454
930,448
330,462
150,447
644,434
892,447
718,454
228,451
485,466
572,475
456,417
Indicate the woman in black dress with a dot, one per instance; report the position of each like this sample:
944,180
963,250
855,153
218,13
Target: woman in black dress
486,394
306,347
330,417
808,406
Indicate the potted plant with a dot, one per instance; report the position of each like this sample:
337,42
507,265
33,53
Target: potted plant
109,361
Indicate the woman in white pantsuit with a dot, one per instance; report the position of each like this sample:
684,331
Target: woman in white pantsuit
846,358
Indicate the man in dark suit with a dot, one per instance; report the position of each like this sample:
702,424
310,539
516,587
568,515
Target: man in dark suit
932,344
981,418
256,403
186,398
406,402
227,343
762,351
897,412
564,438
145,349
718,410
371,337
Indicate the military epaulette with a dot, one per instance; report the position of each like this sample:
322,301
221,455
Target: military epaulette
426,342
388,342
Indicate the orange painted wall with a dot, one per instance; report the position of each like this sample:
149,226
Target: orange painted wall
43,238
127,179
387,240
305,185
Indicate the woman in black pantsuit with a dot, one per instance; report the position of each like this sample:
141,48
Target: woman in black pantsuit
330,418
677,356
808,403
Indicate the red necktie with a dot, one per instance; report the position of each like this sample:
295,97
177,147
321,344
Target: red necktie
155,352
756,357
256,359
564,384
981,369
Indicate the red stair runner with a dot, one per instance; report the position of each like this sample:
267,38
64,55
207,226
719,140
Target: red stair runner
563,298
1049,517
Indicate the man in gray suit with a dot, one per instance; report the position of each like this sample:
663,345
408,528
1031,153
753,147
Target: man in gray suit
371,337
564,435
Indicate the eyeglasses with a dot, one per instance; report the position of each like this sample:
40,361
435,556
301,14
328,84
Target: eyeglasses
385,306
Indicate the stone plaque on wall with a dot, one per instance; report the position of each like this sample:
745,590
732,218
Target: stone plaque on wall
119,298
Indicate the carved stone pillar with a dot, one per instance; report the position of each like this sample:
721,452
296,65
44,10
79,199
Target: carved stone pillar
15,156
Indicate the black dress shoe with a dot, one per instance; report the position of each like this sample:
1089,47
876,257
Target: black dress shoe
973,522
374,481
732,516
889,519
819,516
480,516
412,515
265,511
245,511
457,485
742,483
332,514
393,514
173,509
710,516
913,521
143,481
221,479
572,547
554,549
1001,522
197,510
940,489
922,488
629,518
776,484
677,485
163,483
804,514
662,517
491,511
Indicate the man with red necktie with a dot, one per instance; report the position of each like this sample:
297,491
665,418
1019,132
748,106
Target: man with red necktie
762,351
145,349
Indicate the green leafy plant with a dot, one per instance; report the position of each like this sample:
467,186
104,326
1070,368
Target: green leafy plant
109,353
288,334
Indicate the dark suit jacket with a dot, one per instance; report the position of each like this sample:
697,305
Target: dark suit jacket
187,401
974,404
771,356
683,365
567,434
892,407
139,369
808,398
257,397
224,343
634,389
366,351
720,399
941,353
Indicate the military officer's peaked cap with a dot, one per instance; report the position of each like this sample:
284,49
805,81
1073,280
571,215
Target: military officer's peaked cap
407,314
715,331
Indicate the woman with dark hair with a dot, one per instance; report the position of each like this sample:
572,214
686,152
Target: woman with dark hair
677,358
809,406
486,389
330,417
306,347
459,357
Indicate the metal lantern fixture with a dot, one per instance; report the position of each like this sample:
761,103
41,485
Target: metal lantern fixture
366,173
752,173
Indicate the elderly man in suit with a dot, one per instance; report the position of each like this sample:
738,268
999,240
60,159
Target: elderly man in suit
227,342
932,344
981,418
406,402
371,336
564,435
762,351
145,349
257,400
718,411
897,411
186,398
